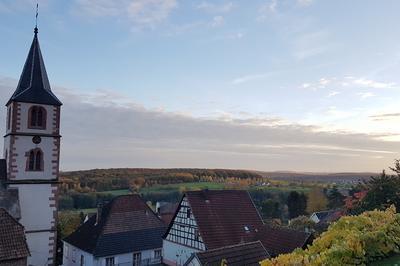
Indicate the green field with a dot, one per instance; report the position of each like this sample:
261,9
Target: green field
115,193
182,187
392,261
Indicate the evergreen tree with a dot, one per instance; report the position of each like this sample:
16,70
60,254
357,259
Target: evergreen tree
335,198
297,204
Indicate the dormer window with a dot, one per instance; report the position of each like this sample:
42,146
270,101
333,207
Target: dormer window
35,160
37,117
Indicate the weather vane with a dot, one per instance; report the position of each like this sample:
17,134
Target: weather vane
37,13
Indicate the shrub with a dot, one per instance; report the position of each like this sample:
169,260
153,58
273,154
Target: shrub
353,240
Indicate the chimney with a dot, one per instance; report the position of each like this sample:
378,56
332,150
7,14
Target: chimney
99,212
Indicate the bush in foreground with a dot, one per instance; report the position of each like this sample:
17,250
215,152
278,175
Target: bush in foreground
353,240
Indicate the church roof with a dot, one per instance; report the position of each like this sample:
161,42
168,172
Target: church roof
126,225
34,86
12,238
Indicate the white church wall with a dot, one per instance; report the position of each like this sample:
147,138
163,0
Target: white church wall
34,218
38,244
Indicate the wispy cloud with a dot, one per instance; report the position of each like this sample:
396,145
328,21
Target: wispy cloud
142,13
365,95
252,77
215,8
385,117
217,21
333,93
372,83
305,2
141,137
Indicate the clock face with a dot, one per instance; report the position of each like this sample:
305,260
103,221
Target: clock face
36,139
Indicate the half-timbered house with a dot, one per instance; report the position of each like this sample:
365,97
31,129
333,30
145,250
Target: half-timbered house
211,219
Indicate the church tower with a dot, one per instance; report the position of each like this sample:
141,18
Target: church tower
32,153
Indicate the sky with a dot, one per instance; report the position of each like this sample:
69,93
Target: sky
298,85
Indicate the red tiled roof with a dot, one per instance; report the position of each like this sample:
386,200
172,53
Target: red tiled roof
12,238
223,216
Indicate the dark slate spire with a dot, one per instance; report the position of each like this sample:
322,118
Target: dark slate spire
34,86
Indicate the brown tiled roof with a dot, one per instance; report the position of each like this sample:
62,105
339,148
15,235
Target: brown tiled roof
249,254
223,216
127,224
12,238
229,217
282,240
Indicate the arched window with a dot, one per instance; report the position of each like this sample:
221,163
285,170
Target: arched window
9,118
35,160
37,117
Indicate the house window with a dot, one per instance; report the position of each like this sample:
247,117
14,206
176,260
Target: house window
82,263
137,257
157,253
188,212
37,117
110,261
196,235
66,251
9,118
35,160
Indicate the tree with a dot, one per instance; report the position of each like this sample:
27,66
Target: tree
302,223
335,199
383,191
271,209
316,200
296,203
353,240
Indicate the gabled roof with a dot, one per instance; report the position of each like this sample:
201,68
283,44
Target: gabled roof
12,238
229,217
34,86
126,225
249,254
282,240
328,216
224,217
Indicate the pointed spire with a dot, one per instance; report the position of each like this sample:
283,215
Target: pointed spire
34,86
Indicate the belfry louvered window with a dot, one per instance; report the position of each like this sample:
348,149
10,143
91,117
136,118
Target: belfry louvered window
37,117
35,160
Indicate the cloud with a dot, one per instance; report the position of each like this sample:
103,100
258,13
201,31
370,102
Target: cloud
348,82
385,116
372,84
142,13
215,8
217,21
266,9
104,129
252,77
305,2
365,95
333,93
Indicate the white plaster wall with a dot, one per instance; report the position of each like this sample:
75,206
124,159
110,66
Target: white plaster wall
36,213
72,256
23,144
171,250
24,119
38,244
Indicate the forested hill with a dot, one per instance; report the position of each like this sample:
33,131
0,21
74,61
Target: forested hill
117,178
122,178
